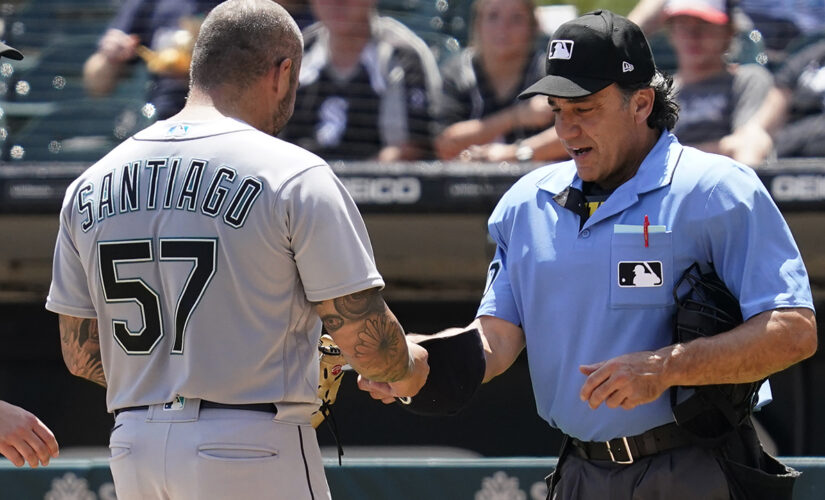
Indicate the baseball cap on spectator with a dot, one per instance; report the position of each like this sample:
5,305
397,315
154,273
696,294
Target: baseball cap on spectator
589,53
712,11
10,52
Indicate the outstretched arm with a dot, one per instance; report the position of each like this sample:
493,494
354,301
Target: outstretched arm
502,342
24,438
373,341
80,342
531,113
103,68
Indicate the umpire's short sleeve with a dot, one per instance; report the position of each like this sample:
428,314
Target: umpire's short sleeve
329,240
752,247
498,299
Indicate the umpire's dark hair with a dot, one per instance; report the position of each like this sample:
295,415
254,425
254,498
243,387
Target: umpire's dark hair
240,40
665,110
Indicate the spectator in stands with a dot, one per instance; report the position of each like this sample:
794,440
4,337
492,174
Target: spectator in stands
369,87
793,115
23,437
162,32
780,22
783,21
715,97
481,115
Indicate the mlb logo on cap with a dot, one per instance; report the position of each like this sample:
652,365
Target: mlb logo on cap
608,49
561,49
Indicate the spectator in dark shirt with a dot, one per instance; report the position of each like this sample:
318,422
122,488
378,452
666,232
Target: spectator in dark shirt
369,87
481,114
792,117
715,97
163,31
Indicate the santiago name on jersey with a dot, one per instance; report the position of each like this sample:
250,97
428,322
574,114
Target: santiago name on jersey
199,247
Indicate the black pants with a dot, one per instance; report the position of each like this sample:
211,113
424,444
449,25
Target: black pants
737,469
687,473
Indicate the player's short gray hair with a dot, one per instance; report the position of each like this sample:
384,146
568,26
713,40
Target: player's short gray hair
240,40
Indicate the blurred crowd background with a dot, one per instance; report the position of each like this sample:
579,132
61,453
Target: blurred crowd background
401,80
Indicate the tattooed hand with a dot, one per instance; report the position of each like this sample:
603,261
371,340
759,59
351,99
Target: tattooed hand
80,342
368,334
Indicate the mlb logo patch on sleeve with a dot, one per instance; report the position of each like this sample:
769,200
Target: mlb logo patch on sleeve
640,274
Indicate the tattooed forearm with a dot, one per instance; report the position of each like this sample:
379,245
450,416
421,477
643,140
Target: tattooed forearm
80,342
382,346
360,305
369,335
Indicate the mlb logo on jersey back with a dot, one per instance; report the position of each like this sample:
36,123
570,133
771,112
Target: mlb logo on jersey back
176,404
177,130
640,274
561,49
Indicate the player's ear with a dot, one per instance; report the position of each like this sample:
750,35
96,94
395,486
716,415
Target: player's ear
283,76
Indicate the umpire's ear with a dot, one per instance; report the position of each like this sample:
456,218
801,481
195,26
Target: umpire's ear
283,78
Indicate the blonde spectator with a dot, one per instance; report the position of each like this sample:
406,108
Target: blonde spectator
482,118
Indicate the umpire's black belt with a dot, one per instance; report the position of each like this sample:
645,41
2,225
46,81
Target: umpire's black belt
625,450
264,407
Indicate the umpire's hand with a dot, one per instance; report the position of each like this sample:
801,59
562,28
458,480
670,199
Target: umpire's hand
627,381
406,387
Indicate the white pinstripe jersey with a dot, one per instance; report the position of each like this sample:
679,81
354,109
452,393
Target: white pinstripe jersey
199,246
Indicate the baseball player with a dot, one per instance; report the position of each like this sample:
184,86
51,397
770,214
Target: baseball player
194,266
599,345
23,437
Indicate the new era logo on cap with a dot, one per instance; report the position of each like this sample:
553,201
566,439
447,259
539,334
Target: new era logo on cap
560,49
626,67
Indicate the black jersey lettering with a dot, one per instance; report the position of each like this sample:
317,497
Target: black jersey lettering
85,207
170,182
154,167
129,187
241,204
216,194
106,204
188,198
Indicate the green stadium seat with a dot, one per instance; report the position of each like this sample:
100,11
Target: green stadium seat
78,130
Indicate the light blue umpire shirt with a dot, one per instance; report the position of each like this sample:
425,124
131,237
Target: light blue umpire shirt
590,294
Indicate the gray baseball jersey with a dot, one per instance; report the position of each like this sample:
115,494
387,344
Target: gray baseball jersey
198,247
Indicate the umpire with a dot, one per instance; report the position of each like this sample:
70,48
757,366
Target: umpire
588,254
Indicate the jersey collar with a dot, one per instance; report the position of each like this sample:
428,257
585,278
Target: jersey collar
656,171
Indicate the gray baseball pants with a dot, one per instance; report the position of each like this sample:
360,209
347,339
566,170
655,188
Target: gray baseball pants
205,454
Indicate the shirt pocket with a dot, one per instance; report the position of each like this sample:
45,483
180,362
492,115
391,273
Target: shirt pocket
641,276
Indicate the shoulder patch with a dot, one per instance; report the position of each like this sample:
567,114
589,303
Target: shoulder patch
492,273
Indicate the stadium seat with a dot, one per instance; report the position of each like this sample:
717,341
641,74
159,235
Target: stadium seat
36,24
79,130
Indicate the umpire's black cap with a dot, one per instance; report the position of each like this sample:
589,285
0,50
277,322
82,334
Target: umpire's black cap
590,52
10,52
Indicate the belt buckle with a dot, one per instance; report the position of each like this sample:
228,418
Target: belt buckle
627,451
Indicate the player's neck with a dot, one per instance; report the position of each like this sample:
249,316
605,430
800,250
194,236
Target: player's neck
204,106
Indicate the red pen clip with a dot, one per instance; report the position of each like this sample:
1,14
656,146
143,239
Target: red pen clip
647,223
